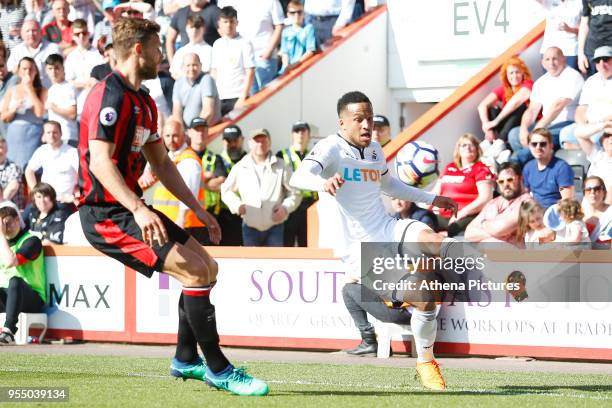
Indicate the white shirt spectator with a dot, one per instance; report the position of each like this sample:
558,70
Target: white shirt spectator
60,167
256,21
558,12
78,65
39,55
341,8
191,173
231,58
203,51
597,95
548,89
156,92
64,96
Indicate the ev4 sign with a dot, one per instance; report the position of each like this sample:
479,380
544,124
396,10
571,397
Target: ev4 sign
480,16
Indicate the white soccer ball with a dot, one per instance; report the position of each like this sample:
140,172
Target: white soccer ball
416,164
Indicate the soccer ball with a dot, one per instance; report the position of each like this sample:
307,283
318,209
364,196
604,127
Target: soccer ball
416,164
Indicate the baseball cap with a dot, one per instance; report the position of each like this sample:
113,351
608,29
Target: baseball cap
380,120
106,4
602,52
196,122
257,132
232,132
299,125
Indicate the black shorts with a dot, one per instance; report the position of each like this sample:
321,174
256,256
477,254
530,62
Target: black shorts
113,231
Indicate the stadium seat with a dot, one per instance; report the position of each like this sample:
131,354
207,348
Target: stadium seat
27,321
386,331
580,164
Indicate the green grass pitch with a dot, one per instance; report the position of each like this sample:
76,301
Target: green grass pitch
143,382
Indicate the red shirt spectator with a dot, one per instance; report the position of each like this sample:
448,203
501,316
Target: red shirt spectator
460,184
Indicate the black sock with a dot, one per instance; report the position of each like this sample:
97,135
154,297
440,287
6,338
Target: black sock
186,344
201,317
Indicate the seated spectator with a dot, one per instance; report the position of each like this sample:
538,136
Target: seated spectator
44,219
80,62
531,229
59,30
10,178
257,188
23,108
381,130
178,25
60,166
61,102
7,80
503,108
600,156
195,94
328,17
406,209
233,63
35,47
562,22
261,24
574,229
23,282
597,214
498,220
298,41
594,112
555,94
468,181
196,45
548,178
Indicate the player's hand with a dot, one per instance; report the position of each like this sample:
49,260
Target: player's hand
279,213
151,226
446,203
333,184
214,230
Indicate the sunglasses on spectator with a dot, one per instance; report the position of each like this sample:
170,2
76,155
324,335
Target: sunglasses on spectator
604,59
509,180
538,144
298,12
594,189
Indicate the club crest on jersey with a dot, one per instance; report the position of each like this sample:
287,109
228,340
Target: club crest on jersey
140,138
361,175
108,116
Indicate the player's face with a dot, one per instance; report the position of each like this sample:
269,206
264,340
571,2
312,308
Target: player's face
43,203
150,58
509,184
356,123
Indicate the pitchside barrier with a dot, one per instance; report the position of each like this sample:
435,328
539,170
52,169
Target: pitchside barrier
292,298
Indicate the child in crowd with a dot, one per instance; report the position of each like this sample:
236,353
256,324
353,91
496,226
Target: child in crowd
298,41
61,100
575,230
531,229
195,31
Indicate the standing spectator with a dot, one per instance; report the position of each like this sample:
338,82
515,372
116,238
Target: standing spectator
40,10
555,94
104,28
232,153
257,188
381,130
197,45
61,102
59,30
298,41
466,180
189,166
498,219
11,177
60,166
80,62
44,218
295,226
595,31
597,213
233,65
24,107
261,23
503,108
12,14
23,282
33,46
600,157
178,25
562,22
546,177
195,94
328,17
7,80
594,112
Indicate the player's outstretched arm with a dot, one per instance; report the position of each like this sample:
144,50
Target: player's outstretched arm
171,179
396,189
308,177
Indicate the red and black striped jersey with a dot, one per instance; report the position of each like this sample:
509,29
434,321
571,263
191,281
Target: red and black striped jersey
116,113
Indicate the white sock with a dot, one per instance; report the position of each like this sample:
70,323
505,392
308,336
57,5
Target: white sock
424,327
